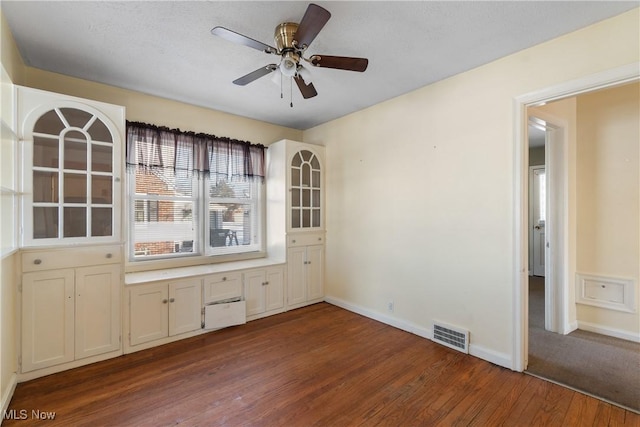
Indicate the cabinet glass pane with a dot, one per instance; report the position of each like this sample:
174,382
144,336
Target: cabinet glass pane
306,175
306,218
75,188
45,152
101,158
295,218
316,198
99,132
45,187
306,155
306,198
315,164
101,189
295,177
49,123
76,118
315,179
101,222
75,151
75,222
295,197
316,217
297,160
45,222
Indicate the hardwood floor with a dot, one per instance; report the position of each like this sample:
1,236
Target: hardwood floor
319,365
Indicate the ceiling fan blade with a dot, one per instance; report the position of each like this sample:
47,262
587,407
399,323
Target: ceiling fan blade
234,37
340,62
312,22
255,75
307,90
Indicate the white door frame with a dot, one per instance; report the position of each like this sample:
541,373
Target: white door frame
609,78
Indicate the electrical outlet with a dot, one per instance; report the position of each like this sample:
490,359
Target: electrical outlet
390,306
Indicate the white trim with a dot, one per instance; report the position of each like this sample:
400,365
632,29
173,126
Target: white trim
609,78
497,358
612,332
7,393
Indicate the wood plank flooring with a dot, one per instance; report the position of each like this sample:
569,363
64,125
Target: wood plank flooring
315,366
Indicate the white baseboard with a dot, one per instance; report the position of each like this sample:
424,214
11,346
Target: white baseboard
500,359
612,332
7,394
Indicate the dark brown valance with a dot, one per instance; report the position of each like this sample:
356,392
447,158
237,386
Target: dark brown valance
151,147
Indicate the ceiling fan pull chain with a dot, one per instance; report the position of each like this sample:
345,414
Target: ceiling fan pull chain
281,83
291,92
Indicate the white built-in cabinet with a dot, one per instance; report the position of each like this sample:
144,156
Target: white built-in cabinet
295,212
305,275
264,291
70,231
70,306
164,309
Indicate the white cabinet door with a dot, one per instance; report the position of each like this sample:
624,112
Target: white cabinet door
315,272
296,279
149,316
185,306
254,282
274,290
47,318
97,310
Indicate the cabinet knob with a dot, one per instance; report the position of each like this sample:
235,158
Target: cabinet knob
172,299
109,255
224,279
37,261
164,301
319,239
293,241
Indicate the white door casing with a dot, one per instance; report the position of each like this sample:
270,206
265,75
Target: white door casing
609,78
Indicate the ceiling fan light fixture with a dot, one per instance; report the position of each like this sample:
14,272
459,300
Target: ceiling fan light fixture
289,64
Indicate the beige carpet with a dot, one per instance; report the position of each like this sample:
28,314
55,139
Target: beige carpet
599,365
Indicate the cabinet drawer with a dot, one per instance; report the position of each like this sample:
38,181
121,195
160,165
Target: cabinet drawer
305,239
69,258
223,315
219,287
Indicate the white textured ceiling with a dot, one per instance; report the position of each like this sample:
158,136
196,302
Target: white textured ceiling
166,49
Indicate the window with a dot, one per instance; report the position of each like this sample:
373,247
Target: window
192,194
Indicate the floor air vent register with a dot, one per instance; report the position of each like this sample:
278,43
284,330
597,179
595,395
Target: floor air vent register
451,336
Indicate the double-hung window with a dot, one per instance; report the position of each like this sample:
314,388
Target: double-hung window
192,194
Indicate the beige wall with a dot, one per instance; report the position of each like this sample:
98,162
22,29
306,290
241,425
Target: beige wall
608,192
420,189
163,112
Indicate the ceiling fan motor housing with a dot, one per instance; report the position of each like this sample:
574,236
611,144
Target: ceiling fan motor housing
284,41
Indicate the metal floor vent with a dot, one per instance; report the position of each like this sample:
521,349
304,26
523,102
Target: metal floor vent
455,338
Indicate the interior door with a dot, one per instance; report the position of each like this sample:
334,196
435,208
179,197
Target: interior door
538,187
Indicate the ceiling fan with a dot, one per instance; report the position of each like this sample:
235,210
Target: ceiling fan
292,41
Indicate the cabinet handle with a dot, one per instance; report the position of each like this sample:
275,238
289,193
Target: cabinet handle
172,299
264,283
224,279
293,241
319,239
109,255
37,261
164,301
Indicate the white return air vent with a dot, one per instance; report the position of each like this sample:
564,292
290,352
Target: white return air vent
455,338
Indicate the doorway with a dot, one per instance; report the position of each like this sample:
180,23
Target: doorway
566,321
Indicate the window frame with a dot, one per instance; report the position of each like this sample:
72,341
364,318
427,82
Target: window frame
202,252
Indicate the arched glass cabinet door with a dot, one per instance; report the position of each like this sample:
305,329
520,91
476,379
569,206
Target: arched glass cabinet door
306,191
72,177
